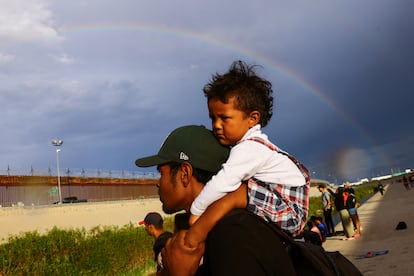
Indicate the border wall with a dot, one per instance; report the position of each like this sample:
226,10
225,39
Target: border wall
42,190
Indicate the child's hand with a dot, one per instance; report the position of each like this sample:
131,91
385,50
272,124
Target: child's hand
192,219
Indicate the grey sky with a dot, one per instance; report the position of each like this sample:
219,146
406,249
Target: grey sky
112,78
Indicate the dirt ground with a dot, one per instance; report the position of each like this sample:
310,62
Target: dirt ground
15,220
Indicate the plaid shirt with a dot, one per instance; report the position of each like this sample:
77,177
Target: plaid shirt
285,206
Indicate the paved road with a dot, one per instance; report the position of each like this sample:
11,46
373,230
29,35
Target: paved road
379,216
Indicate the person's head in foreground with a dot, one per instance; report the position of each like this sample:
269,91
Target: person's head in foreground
188,158
237,101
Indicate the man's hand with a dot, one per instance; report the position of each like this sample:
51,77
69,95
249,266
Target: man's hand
180,260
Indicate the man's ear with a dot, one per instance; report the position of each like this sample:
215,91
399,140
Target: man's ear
254,118
186,171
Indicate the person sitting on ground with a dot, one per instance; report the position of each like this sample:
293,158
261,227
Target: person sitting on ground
154,226
310,234
317,221
314,229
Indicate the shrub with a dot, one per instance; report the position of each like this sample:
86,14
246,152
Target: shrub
99,251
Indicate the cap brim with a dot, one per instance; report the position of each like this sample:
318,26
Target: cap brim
142,222
150,161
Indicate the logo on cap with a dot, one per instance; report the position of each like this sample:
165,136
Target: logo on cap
183,156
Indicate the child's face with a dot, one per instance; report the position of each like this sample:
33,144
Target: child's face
229,124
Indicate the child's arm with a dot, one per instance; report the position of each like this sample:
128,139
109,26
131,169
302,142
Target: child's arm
244,160
192,219
217,210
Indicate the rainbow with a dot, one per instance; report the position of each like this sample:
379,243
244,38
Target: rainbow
227,44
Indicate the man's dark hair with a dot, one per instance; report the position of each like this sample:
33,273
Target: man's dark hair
202,176
159,226
252,92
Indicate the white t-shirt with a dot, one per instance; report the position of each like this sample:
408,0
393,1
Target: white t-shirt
247,159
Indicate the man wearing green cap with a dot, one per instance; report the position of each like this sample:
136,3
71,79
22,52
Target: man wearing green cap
240,243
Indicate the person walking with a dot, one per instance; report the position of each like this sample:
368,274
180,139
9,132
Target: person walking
405,182
327,209
381,188
154,226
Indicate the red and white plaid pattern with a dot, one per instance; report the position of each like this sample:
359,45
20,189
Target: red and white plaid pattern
286,206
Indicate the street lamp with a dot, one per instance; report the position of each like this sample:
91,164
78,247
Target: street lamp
57,144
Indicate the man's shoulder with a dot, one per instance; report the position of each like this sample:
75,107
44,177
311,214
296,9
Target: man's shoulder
167,234
239,214
160,242
326,193
241,220
164,237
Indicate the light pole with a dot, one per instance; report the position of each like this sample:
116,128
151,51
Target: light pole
57,144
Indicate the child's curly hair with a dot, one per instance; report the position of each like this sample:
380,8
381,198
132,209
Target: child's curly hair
251,92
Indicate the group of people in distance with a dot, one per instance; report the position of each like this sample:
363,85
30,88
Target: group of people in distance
233,182
345,202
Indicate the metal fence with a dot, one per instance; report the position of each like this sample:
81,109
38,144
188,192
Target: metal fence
31,186
44,190
37,195
31,171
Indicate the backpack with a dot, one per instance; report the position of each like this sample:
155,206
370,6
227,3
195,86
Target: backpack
339,199
345,196
350,201
309,259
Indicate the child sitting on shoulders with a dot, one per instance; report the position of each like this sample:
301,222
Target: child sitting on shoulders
240,104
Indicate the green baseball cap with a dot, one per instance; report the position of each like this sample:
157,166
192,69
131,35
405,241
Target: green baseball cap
194,144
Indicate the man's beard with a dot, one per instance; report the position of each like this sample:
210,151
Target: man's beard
166,210
164,207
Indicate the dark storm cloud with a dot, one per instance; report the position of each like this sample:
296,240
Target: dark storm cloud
112,79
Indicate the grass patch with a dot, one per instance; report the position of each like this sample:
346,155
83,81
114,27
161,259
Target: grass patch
99,251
